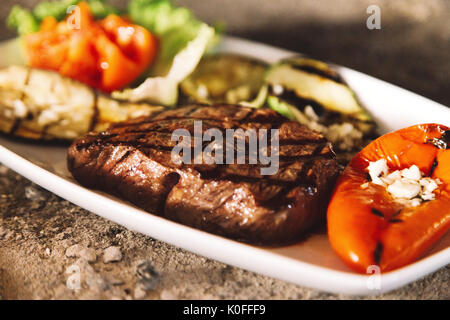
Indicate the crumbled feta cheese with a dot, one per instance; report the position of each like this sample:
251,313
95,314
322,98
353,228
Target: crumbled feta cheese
412,172
406,186
376,169
344,136
391,177
428,184
428,196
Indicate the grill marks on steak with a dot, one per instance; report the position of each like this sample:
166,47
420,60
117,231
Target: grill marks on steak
133,160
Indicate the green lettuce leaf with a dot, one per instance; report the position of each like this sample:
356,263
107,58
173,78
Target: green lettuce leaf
164,89
22,20
175,27
160,16
183,41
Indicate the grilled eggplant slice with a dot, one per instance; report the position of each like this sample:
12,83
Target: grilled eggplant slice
39,104
226,78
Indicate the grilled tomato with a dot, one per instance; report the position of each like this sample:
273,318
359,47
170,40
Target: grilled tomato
106,54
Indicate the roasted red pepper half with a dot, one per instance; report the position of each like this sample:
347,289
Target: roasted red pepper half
108,54
367,226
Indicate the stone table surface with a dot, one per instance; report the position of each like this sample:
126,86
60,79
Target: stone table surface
43,237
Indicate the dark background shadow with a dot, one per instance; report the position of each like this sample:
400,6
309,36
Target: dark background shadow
411,50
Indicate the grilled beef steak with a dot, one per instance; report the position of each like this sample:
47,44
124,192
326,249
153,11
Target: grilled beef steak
133,160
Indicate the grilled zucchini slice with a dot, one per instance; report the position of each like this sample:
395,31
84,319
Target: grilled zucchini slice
315,83
314,94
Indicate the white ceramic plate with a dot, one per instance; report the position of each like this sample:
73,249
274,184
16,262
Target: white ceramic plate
310,263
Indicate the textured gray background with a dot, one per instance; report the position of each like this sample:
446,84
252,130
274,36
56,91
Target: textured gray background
36,227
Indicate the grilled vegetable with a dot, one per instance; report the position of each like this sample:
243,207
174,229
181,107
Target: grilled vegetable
367,222
164,89
175,26
315,82
225,78
314,94
183,41
40,104
108,54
